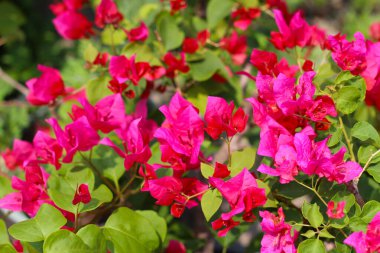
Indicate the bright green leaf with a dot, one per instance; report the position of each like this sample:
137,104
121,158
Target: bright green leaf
242,159
48,220
7,248
312,214
309,234
370,209
365,131
210,203
374,171
64,241
157,222
348,99
325,233
204,69
93,237
169,32
130,232
217,10
311,246
90,53
207,170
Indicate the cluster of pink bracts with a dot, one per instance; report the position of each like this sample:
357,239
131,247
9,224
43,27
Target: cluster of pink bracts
287,111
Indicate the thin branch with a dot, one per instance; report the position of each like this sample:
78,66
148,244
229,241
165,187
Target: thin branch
9,80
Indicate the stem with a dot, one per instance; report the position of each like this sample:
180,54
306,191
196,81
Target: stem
348,141
112,40
9,80
368,162
96,171
313,190
228,142
197,194
76,218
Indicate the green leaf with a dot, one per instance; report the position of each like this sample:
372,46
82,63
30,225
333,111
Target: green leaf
157,222
93,237
365,152
7,248
357,224
169,32
210,203
96,89
309,234
341,248
325,233
47,220
65,241
5,186
374,171
62,187
311,246
217,10
242,159
348,99
100,195
365,131
90,52
370,209
197,95
207,170
4,238
204,69
130,232
113,37
312,214
335,138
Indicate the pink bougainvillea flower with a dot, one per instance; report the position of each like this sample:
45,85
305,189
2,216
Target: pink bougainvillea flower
219,118
176,192
278,237
190,45
82,195
77,136
227,225
175,65
60,7
236,46
22,151
47,149
107,13
335,212
72,25
136,147
31,193
349,56
243,17
101,59
221,171
267,64
175,247
242,193
165,190
181,134
202,37
139,33
374,31
371,74
177,5
107,115
44,89
295,33
123,69
366,242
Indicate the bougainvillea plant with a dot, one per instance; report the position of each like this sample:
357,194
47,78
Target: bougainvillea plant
197,127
